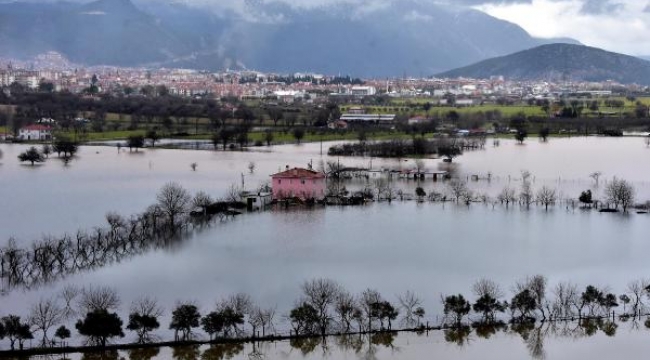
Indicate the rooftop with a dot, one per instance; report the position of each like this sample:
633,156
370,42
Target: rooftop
299,173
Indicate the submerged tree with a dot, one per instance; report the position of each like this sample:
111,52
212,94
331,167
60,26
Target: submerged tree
45,314
65,146
507,195
173,199
546,196
135,142
586,198
620,192
31,155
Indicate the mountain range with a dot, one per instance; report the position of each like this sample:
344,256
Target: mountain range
413,37
560,62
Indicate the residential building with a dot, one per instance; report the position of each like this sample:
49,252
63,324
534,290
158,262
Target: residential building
35,132
297,182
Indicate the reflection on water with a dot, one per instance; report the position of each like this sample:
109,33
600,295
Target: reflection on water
143,354
589,338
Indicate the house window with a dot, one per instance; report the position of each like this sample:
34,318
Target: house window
302,181
279,181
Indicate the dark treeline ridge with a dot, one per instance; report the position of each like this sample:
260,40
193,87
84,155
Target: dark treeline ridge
325,308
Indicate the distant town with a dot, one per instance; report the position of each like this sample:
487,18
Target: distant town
54,71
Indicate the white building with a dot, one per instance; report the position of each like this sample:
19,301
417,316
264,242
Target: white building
35,132
363,90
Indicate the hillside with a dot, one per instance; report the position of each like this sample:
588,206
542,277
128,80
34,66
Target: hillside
560,62
410,37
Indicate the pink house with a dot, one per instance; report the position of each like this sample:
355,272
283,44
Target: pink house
301,183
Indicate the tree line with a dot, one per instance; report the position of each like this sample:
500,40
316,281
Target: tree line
447,147
325,308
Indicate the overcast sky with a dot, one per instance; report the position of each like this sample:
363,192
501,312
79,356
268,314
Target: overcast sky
615,25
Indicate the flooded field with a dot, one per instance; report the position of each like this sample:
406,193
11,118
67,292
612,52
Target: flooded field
430,248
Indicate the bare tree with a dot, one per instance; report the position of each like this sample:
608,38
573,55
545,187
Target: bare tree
384,189
526,196
262,318
620,192
458,188
546,196
98,298
345,307
68,295
240,304
637,290
467,197
233,194
409,302
565,295
369,300
143,318
114,220
487,287
537,287
202,200
173,200
147,306
507,195
596,176
322,294
44,315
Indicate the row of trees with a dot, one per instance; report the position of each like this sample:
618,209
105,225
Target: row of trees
447,147
53,258
64,147
324,308
619,193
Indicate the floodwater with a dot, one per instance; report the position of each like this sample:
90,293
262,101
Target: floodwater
430,248
539,343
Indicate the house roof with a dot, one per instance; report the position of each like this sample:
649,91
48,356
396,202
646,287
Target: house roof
299,173
36,128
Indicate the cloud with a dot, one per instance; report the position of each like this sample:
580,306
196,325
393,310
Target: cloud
615,25
597,7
